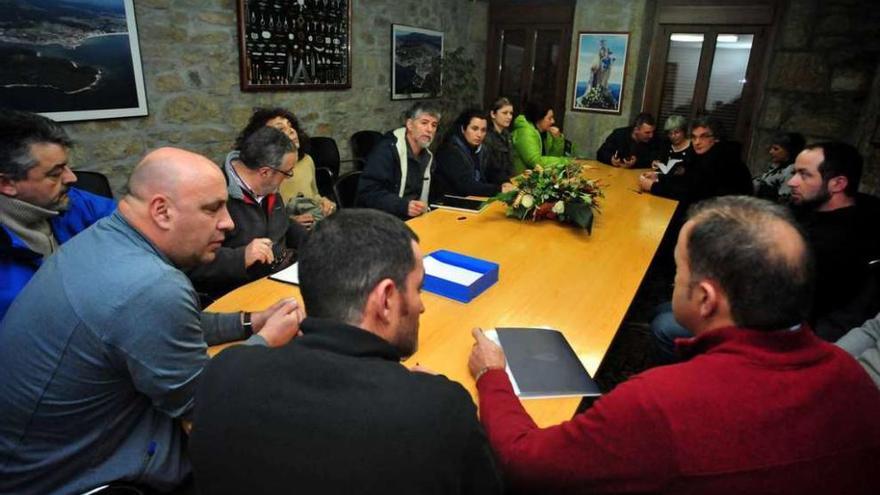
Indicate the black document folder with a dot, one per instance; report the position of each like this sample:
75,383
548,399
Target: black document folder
543,364
459,203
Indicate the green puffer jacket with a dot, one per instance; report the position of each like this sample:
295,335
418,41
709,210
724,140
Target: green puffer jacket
527,146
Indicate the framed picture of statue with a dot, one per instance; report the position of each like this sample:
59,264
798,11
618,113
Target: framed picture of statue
416,55
71,60
601,72
289,45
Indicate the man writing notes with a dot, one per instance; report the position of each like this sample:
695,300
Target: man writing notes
761,406
102,351
397,177
335,411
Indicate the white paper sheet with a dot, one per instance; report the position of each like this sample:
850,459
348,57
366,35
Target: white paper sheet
452,273
666,167
289,275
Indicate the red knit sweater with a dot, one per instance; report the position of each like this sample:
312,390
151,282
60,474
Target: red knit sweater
750,412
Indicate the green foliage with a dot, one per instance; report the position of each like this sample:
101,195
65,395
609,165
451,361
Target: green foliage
555,192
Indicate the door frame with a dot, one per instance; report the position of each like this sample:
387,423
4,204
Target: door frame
531,17
757,17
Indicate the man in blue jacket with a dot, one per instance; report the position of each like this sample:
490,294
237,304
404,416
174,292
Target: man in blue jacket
38,209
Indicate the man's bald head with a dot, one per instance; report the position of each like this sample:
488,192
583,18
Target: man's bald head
756,254
177,199
170,171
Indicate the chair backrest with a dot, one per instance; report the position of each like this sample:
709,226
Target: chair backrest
362,142
346,188
325,153
326,183
93,182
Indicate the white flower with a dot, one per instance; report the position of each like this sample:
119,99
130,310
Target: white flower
559,208
528,201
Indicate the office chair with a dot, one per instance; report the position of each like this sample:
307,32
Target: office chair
362,142
325,153
93,182
346,188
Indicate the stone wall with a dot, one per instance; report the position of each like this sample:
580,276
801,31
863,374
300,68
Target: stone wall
587,129
190,64
823,80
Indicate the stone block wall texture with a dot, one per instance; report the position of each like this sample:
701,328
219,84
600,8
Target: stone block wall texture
587,129
189,51
824,80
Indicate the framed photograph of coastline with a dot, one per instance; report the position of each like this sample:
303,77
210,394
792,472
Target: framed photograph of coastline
416,55
289,45
601,72
71,59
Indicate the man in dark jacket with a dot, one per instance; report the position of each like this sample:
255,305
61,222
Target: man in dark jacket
635,146
715,169
397,176
335,411
841,227
264,239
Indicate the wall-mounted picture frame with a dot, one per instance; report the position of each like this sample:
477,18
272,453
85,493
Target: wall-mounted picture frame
289,45
601,72
416,56
71,60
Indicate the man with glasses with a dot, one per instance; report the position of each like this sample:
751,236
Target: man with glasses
715,169
38,209
264,239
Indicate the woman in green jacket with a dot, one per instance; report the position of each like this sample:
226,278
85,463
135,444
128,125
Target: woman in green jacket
528,147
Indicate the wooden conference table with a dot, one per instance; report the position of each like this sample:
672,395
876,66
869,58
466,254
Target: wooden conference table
550,275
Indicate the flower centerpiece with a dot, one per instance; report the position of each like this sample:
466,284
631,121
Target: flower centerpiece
557,192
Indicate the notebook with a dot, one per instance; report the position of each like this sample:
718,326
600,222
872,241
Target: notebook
542,364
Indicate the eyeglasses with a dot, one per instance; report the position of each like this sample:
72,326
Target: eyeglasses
282,172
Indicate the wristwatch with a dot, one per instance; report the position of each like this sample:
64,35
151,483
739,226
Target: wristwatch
246,322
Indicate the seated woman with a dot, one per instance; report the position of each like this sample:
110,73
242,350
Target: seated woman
497,145
773,183
461,163
677,148
300,192
529,149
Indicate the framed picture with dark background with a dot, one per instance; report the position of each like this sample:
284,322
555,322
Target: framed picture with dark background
71,60
416,56
601,72
294,44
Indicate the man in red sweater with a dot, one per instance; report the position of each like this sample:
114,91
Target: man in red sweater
761,405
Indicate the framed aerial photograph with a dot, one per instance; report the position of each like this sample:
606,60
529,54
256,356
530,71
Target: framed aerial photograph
601,72
288,45
416,55
71,59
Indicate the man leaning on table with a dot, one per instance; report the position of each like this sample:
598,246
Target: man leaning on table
102,350
762,406
397,176
335,411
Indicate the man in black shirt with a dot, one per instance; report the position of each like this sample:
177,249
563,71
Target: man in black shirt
635,146
841,227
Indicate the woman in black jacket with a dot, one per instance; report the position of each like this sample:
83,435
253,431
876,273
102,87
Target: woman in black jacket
498,145
461,160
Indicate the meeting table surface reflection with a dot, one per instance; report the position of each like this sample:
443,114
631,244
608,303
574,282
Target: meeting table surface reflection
551,275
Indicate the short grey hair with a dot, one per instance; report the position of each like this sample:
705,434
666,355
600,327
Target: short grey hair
675,123
419,108
20,130
265,148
